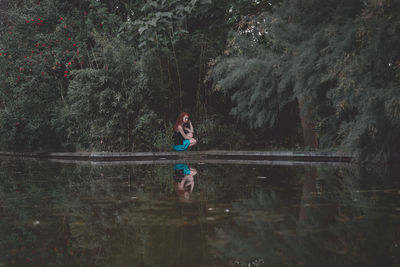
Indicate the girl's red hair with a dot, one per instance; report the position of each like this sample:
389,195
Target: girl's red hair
179,120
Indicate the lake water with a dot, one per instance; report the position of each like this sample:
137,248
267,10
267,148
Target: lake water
198,214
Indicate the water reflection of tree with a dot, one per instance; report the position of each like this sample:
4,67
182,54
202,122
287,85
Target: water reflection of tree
66,212
366,223
120,215
342,220
84,215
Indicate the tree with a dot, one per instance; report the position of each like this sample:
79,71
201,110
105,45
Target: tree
38,51
315,53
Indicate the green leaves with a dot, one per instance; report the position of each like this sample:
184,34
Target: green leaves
336,60
160,21
109,108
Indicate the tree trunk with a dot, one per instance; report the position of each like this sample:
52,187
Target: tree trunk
199,83
309,187
309,135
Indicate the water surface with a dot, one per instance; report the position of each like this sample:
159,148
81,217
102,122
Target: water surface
60,214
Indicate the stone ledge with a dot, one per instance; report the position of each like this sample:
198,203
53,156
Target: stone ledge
310,156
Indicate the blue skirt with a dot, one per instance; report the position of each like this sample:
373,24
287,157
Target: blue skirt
182,147
182,167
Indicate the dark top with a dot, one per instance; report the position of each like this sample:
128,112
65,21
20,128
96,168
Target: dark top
178,138
186,125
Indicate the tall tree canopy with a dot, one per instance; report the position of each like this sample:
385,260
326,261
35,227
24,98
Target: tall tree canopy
337,59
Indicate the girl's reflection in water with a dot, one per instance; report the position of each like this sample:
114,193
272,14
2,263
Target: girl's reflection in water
184,181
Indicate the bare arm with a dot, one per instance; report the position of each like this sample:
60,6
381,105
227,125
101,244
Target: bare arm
188,181
191,183
191,127
180,129
190,130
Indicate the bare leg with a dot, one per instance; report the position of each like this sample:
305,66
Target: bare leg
193,171
192,142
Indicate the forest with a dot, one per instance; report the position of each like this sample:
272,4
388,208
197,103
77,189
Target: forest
97,75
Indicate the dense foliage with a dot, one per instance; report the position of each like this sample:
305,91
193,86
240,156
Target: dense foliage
338,60
113,75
